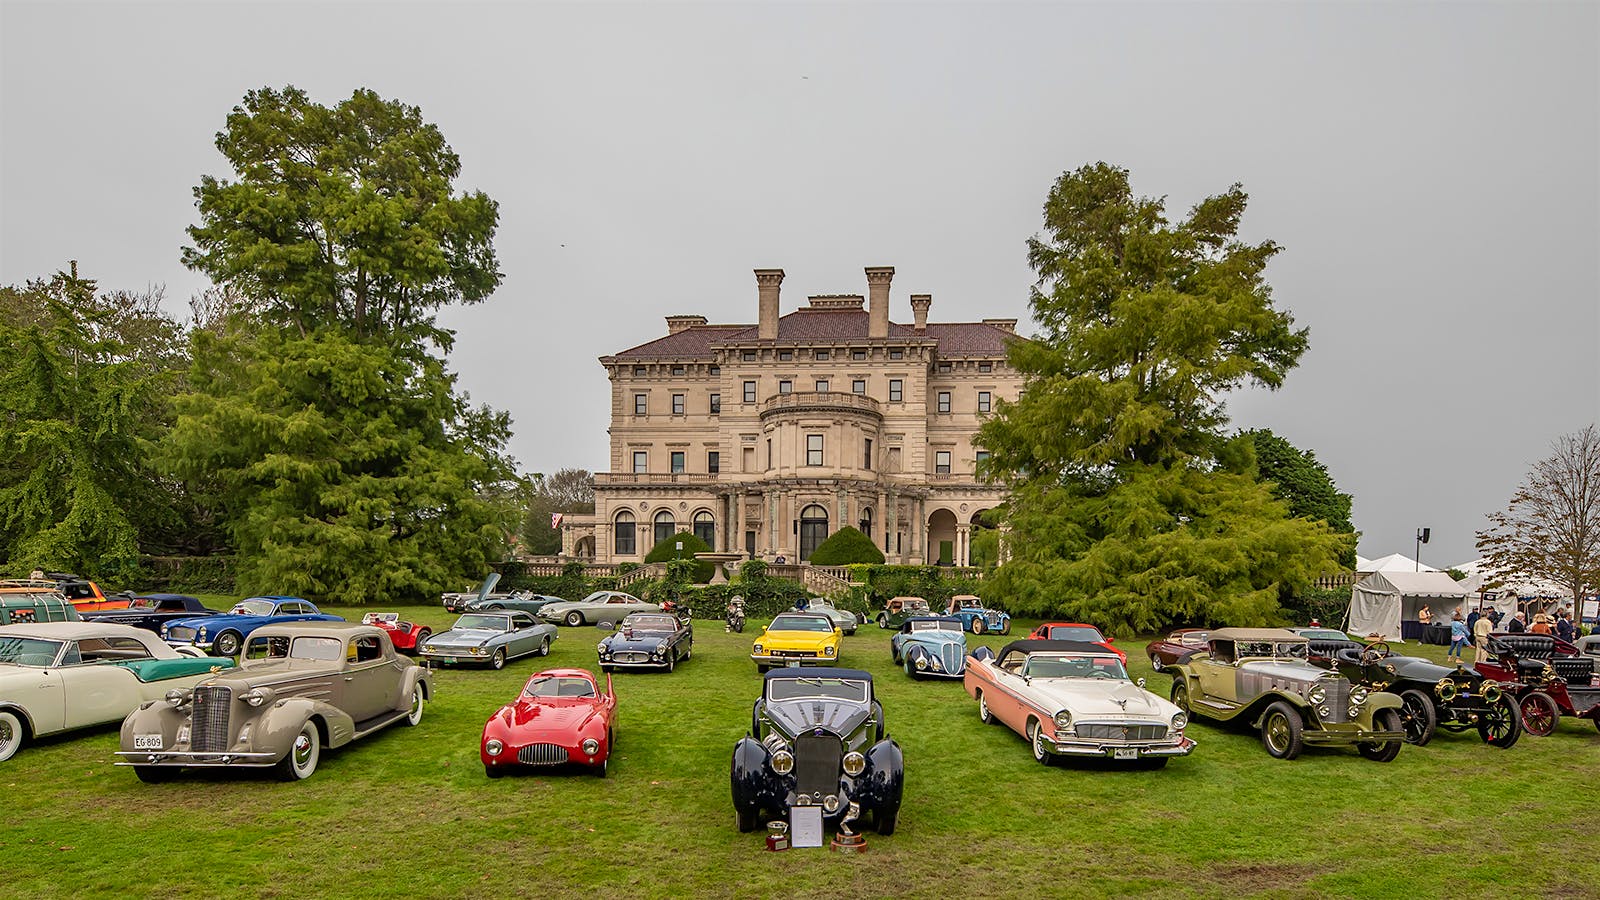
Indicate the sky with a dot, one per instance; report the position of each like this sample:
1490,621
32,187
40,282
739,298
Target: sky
1432,172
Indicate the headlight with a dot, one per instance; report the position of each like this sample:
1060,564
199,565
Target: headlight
201,634
658,651
1358,696
257,696
854,763
922,663
493,748
1491,692
934,663
477,651
828,651
1063,720
591,746
783,762
601,648
1179,720
1355,711
757,649
1323,712
177,698
1317,695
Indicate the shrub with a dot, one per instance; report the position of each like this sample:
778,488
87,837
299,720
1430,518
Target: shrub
1326,605
846,546
668,550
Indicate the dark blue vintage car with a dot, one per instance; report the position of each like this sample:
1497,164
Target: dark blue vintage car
817,739
223,634
646,640
930,645
151,611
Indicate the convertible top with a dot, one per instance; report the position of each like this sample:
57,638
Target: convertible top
818,672
1255,634
1026,646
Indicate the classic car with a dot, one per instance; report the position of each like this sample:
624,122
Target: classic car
404,635
300,687
1261,676
817,738
22,603
151,611
1074,698
1318,633
843,619
899,609
490,639
224,633
84,594
1552,679
930,645
646,640
977,618
59,676
560,717
520,601
1588,645
803,638
1076,631
1431,696
456,601
1176,646
600,606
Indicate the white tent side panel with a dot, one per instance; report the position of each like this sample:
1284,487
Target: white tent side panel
1373,611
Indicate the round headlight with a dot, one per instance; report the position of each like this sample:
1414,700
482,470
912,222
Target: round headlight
493,747
1491,692
1179,720
591,746
828,651
1355,711
830,803
1063,720
257,696
658,651
934,663
601,647
201,634
922,662
854,763
1323,712
1358,696
756,649
477,651
1317,695
176,697
783,762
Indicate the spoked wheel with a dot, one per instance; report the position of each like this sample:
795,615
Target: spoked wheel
1417,718
1382,751
574,618
498,660
1041,753
1539,713
1180,696
422,636
977,626
1155,663
1500,725
1282,731
227,644
544,647
10,734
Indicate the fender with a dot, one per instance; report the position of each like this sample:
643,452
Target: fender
755,786
881,786
414,677
276,728
151,717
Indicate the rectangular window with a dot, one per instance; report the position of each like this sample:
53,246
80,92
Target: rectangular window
677,460
944,401
983,455
986,367
749,459
858,386
716,404
639,371
677,370
713,462
821,354
677,404
785,355
785,387
626,534
983,401
822,385
896,389
897,354
641,404
813,449
944,368
749,392
866,458
858,354
769,453
941,462
641,461
714,370
748,356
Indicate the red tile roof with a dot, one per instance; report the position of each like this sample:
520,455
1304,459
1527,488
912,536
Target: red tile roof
955,338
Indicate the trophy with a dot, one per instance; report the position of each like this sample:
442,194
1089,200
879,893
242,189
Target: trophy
847,841
777,835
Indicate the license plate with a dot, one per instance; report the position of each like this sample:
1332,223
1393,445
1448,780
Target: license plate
1125,753
147,742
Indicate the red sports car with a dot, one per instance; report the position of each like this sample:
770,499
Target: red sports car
1170,650
562,716
406,636
1075,631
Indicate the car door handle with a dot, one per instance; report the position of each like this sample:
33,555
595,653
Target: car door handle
349,678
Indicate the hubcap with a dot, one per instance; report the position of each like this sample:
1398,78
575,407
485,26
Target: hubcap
1278,732
302,751
6,733
416,704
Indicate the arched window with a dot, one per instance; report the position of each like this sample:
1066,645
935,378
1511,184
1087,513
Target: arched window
625,533
866,521
813,529
666,526
705,528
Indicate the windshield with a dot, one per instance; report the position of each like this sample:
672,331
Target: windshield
28,651
282,647
916,604
1074,667
487,623
800,623
374,618
558,686
850,689
596,597
255,607
648,622
1286,649
935,626
1076,633
141,603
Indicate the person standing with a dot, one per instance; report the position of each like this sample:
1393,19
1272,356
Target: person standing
1541,625
1518,624
1564,629
1458,637
1480,637
1472,620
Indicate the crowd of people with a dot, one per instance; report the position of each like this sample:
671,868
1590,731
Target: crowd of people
1477,625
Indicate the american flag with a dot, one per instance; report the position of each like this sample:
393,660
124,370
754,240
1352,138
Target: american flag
555,520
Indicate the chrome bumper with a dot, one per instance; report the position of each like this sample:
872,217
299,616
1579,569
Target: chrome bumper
1317,737
1101,748
770,659
189,758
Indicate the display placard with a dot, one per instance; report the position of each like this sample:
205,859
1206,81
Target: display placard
805,826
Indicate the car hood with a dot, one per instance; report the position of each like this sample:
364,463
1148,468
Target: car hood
220,620
641,640
795,717
276,672
1287,670
532,717
936,639
464,637
1419,669
796,640
1101,699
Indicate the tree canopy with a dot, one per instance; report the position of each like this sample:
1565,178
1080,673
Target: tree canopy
1299,479
567,491
1551,527
667,550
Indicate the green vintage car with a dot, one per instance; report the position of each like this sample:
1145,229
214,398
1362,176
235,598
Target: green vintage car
899,609
1260,675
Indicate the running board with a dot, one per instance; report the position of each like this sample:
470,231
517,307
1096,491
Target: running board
362,729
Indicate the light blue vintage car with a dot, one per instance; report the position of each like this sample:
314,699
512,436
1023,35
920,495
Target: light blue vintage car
976,618
930,645
490,638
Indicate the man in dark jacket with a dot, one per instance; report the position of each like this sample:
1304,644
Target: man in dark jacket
1472,619
1564,629
1518,624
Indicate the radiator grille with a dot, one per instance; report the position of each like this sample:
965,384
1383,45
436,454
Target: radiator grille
816,763
180,633
952,657
798,654
208,731
631,656
1122,732
542,755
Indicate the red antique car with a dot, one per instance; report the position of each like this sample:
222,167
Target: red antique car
1549,676
406,636
562,716
1075,631
1171,650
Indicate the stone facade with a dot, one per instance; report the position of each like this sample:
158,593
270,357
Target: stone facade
763,439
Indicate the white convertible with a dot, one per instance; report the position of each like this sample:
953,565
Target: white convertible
57,676
1070,698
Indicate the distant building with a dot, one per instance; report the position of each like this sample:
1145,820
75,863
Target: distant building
766,438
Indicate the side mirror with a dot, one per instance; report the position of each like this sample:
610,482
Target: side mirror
606,626
1111,640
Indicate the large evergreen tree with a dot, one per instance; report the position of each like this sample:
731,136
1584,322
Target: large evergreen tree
1301,480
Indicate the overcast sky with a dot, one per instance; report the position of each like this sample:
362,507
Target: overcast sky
1430,169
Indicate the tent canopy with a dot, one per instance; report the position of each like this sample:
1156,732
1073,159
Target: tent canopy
1382,600
1480,577
1394,562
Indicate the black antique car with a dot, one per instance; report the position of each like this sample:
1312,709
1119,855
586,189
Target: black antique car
1432,696
646,640
151,611
817,739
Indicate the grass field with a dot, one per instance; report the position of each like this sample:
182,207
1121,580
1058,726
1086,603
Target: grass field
409,812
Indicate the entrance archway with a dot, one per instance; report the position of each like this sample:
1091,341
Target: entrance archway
584,548
942,537
813,529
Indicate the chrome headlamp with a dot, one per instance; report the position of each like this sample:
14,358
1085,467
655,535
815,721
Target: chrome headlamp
178,698
1491,692
783,762
854,763
591,746
828,651
1063,720
1324,711
493,747
1179,720
1317,695
756,649
258,696
922,662
478,650
1358,696
601,648
201,634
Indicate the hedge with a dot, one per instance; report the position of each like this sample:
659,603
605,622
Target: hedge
667,550
846,546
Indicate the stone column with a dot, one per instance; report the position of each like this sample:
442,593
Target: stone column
963,545
736,539
772,521
891,525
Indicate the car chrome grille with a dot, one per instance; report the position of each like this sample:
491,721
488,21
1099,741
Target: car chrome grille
208,731
816,763
952,657
542,755
798,654
1097,732
180,633
630,656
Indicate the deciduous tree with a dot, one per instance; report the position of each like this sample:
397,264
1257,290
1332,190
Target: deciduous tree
1551,528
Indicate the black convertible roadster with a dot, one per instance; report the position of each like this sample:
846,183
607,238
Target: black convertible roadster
1432,696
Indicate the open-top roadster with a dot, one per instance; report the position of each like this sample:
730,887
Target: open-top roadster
1431,696
406,636
977,618
899,609
1552,678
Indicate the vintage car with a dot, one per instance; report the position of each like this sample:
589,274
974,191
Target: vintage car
489,639
977,618
1588,645
456,601
600,606
300,687
1551,678
223,634
1176,647
1261,676
84,594
1431,696
899,609
817,738
23,603
404,635
930,645
1074,698
58,676
151,611
560,717
1076,631
843,619
793,637
520,601
646,640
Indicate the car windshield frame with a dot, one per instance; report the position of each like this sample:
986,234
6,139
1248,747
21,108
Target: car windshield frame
1295,651
1093,666
28,651
936,625
848,690
809,624
658,622
490,622
567,687
1075,633
254,606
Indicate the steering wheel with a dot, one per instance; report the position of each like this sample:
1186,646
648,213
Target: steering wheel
1374,652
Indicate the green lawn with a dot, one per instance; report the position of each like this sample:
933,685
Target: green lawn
409,811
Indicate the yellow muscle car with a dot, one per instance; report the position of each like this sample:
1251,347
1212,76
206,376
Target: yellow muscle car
804,638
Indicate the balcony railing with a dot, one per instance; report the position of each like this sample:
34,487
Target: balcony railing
613,478
820,400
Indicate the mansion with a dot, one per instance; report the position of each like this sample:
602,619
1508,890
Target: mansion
763,439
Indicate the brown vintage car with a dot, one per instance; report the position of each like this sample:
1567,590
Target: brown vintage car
300,686
1176,647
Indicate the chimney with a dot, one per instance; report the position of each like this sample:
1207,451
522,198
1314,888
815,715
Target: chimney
919,309
878,278
767,282
676,324
1006,325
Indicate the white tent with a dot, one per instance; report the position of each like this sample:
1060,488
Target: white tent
1381,601
1482,578
1394,562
